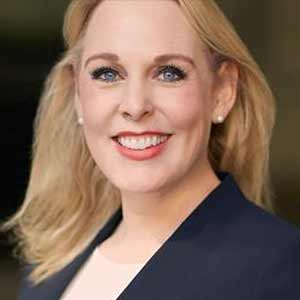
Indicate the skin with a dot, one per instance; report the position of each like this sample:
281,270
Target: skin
157,194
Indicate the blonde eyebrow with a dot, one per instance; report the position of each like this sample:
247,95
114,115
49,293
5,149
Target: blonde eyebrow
158,59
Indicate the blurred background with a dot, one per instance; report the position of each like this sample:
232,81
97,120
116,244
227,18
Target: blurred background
31,42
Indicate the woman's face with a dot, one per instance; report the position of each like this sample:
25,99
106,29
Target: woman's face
178,100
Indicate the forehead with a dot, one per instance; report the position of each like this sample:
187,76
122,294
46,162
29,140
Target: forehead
137,28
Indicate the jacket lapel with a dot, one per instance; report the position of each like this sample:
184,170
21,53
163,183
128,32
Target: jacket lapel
169,273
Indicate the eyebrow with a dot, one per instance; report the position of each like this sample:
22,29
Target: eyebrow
158,59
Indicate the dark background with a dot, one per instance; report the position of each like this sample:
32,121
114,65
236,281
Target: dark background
31,42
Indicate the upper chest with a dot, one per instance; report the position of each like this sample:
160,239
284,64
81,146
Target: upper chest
101,278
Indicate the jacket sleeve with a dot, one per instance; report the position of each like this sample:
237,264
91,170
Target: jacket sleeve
280,278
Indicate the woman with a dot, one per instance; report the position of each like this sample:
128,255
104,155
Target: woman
150,176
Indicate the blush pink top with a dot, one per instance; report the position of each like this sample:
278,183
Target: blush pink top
101,278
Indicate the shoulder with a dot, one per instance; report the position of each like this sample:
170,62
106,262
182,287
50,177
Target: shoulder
266,245
254,230
245,220
279,274
30,291
25,284
48,289
267,227
277,243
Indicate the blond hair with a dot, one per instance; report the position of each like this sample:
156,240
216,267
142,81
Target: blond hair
68,199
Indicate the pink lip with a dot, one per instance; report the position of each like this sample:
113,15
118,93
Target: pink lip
139,155
131,133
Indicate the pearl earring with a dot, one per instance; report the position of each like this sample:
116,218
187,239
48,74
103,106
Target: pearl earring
80,120
220,119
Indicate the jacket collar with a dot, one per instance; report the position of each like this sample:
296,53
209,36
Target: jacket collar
214,211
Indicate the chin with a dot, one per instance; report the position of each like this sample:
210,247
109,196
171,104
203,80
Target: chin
138,186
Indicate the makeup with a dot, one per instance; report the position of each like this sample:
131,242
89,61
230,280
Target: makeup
141,154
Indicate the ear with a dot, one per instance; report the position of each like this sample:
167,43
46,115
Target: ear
78,108
77,105
225,89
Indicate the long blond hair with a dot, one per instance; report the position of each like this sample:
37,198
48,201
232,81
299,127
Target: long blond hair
68,199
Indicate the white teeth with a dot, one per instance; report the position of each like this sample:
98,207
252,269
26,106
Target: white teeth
141,142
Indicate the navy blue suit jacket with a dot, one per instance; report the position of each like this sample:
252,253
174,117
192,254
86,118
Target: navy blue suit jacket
227,248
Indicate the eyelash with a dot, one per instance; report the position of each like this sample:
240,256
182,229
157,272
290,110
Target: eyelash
173,68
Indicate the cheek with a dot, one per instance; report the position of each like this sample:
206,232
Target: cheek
191,108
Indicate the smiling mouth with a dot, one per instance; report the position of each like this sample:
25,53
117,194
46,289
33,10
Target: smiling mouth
115,137
141,153
150,146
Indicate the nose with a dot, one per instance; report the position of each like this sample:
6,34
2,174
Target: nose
135,103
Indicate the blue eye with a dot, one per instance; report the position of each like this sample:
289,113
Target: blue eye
96,74
172,73
170,70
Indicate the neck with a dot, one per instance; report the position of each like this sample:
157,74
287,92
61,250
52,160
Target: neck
151,219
